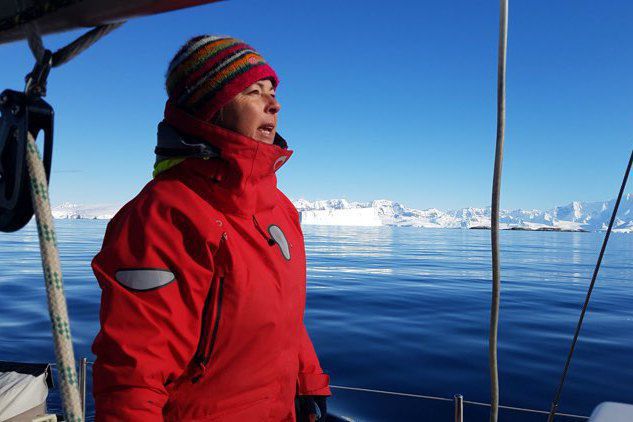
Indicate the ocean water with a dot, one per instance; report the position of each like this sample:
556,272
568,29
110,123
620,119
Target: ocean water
403,310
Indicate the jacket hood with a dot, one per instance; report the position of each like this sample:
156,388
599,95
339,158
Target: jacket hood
243,167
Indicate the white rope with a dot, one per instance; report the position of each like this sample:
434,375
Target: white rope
58,311
494,216
69,385
65,54
81,44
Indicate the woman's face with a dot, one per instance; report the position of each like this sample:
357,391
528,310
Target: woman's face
253,112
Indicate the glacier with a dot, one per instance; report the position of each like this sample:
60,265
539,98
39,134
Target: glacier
576,216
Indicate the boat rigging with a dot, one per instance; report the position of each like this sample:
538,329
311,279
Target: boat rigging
24,175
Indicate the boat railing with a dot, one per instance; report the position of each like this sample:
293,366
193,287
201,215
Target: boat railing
458,399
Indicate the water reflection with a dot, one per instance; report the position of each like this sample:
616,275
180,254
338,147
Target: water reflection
422,326
400,309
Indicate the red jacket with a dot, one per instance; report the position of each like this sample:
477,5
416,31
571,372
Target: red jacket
204,280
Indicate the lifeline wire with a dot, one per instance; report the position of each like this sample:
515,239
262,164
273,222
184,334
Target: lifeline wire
474,403
556,400
494,217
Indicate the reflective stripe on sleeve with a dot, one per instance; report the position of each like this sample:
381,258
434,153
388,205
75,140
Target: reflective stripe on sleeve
143,279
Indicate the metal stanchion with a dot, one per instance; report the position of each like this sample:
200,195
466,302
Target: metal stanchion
459,407
82,384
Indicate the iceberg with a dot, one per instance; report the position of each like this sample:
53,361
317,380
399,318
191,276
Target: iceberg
576,216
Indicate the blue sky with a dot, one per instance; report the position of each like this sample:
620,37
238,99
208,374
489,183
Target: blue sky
380,99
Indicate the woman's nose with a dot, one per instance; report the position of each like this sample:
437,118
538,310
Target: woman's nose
273,105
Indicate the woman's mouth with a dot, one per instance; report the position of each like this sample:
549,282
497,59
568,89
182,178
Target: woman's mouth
266,130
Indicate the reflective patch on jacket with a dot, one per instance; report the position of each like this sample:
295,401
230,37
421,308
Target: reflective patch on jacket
278,235
143,279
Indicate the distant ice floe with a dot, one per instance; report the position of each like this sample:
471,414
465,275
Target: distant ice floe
342,217
69,210
576,216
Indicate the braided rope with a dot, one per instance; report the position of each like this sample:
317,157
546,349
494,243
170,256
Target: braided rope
494,213
72,50
57,308
82,43
35,41
58,311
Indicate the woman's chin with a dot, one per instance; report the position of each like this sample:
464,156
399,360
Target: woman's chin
267,138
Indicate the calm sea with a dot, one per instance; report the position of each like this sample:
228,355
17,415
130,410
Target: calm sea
403,310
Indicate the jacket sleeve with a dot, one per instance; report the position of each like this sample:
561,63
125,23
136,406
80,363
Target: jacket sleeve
153,290
311,380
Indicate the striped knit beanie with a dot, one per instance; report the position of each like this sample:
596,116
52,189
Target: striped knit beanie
208,71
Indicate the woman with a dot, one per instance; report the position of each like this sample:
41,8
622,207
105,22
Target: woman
203,272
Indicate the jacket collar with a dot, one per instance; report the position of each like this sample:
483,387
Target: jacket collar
242,178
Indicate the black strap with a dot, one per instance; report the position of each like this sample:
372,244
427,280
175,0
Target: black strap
172,143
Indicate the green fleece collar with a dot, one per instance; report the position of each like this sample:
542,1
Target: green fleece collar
166,164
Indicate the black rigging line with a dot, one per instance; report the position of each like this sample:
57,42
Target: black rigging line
556,400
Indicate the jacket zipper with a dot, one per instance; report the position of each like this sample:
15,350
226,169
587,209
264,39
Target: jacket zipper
269,239
207,342
207,355
208,336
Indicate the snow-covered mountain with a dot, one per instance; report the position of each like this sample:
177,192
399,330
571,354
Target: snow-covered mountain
577,216
68,210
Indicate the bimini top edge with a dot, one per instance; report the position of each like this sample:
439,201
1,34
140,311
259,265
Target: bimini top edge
52,16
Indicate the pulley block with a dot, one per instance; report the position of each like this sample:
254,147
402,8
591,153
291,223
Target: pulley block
20,114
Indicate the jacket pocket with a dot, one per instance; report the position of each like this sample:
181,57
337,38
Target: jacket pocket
211,317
